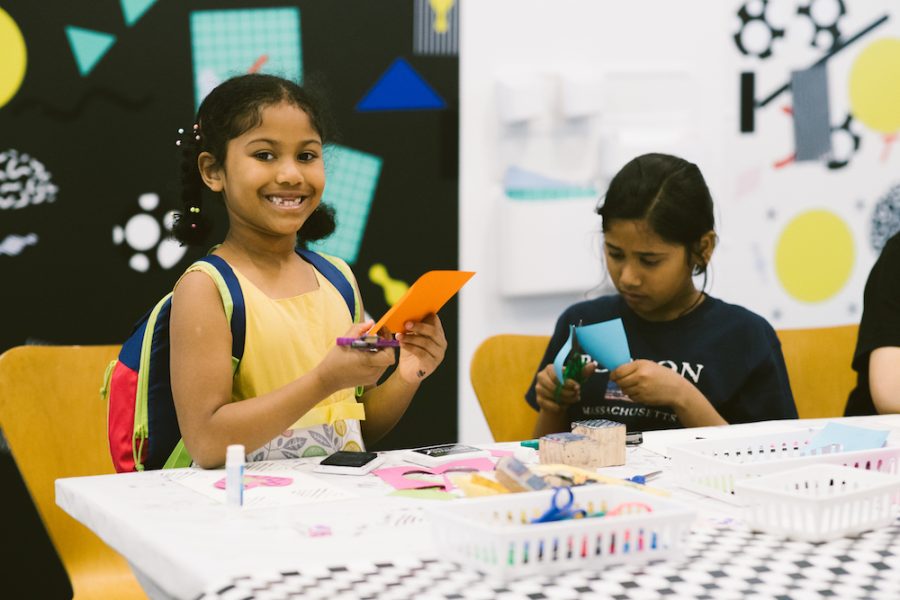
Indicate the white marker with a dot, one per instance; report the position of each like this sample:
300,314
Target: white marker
234,475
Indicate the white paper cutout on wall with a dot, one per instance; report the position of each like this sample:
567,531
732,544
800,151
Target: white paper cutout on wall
549,246
523,97
145,231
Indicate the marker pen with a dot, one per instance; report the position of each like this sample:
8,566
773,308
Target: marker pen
234,475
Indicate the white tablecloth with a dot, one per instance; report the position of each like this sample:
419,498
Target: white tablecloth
187,544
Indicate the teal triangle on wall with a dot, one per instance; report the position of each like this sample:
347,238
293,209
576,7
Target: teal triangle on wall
88,46
401,88
135,9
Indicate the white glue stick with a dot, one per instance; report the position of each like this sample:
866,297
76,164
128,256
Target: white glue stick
234,475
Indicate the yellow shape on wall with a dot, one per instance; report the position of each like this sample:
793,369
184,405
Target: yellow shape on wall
13,58
441,8
814,256
393,288
875,86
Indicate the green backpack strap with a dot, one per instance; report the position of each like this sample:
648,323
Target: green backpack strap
179,457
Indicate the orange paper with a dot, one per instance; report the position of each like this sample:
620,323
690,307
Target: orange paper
427,295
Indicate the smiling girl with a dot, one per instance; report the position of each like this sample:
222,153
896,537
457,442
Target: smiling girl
258,143
696,360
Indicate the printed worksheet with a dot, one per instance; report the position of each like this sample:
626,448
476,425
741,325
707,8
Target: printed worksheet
262,489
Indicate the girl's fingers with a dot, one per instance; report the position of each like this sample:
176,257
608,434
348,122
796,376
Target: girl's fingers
430,327
549,405
423,350
359,329
421,341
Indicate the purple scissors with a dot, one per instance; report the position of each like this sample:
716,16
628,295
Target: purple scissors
368,342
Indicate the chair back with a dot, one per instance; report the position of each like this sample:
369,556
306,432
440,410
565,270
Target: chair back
501,371
819,368
54,420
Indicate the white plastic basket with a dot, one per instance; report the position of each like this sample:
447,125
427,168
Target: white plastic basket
494,534
711,467
819,502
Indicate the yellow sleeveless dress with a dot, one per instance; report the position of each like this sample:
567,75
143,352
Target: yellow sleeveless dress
286,338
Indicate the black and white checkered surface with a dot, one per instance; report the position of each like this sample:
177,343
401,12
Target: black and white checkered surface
721,562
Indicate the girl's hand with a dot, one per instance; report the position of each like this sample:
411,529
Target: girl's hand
545,389
344,367
422,348
650,383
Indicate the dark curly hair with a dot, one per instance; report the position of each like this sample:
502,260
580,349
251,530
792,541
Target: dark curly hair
231,109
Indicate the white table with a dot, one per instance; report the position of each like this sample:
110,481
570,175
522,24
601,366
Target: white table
183,544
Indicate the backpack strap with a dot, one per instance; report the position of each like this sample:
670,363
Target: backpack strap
232,299
334,275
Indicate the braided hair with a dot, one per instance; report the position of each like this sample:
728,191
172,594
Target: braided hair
231,109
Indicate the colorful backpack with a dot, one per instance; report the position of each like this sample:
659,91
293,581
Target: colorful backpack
141,422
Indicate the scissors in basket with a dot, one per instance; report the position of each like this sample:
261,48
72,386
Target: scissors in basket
558,512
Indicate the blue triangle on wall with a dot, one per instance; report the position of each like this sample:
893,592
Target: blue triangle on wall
88,46
400,88
135,9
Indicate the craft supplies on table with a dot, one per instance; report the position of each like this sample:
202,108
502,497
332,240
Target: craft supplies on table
516,476
817,503
496,534
711,467
560,474
610,437
601,444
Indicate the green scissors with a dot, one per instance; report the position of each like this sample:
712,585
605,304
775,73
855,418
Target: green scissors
574,363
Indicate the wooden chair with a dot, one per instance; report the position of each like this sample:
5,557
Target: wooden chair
818,364
501,371
55,422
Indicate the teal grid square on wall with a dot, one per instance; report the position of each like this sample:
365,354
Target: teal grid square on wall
351,179
226,43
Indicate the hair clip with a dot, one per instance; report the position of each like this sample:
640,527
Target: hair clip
196,133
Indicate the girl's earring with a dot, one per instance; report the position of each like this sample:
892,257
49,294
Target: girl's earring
697,268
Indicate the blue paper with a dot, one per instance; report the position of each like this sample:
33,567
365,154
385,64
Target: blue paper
562,354
605,342
847,438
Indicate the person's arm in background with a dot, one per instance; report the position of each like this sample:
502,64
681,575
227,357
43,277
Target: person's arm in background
884,379
879,328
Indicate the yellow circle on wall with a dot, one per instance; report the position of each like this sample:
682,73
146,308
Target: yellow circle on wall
875,86
814,256
12,58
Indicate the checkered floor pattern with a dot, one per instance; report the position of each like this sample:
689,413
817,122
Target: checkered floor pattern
721,562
